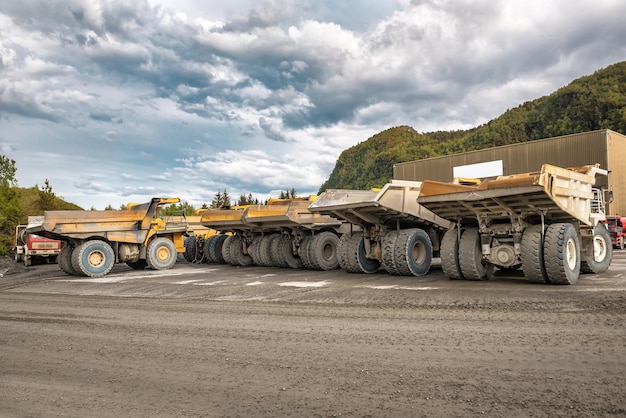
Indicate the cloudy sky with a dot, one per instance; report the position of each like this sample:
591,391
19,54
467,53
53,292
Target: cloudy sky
119,101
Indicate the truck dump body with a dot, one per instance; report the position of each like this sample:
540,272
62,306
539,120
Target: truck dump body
559,194
395,204
224,219
295,213
131,226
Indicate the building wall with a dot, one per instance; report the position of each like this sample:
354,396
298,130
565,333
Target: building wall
616,156
604,147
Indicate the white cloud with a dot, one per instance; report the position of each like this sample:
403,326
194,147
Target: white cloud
124,100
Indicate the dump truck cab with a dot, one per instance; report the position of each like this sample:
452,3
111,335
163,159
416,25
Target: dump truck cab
617,228
30,247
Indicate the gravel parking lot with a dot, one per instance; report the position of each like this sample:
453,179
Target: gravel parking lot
220,341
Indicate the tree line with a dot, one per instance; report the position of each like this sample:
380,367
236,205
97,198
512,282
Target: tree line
15,208
16,203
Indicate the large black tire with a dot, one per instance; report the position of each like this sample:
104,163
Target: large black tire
449,252
140,264
533,265
93,258
161,254
413,252
277,256
190,249
470,256
597,257
367,265
323,251
65,260
304,252
342,252
208,257
561,250
215,248
226,249
286,249
238,258
254,250
265,252
389,244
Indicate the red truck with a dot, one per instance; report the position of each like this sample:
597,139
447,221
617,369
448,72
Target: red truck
615,224
29,247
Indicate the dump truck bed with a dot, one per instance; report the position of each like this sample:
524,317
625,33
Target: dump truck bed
288,215
131,226
271,217
225,220
396,204
560,194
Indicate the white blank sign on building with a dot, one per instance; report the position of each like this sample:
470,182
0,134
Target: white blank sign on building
480,170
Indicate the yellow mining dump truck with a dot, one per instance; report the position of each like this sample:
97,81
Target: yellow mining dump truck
549,223
395,231
282,233
95,240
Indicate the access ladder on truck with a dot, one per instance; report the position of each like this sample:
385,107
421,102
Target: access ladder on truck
549,223
396,231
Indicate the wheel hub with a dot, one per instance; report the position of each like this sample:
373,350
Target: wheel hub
599,249
570,254
163,254
96,258
419,252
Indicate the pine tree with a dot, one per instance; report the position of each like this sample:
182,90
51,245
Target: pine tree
9,203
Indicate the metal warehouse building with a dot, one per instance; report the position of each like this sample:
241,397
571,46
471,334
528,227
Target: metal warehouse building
606,147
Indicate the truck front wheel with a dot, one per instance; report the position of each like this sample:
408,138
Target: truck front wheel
161,254
93,258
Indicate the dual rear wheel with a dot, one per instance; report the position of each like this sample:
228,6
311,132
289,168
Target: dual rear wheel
552,257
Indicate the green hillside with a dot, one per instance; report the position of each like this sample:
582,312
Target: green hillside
33,202
17,204
589,103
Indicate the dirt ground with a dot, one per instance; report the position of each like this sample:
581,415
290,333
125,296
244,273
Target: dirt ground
219,341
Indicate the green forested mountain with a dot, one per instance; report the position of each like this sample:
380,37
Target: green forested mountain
589,103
